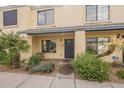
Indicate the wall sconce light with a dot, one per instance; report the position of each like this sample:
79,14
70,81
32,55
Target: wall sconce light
122,36
118,35
61,39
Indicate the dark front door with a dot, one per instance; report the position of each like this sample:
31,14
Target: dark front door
69,48
123,56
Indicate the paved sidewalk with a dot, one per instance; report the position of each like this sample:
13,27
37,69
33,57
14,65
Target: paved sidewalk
13,80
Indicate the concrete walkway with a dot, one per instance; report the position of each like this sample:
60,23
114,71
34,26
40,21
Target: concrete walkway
13,80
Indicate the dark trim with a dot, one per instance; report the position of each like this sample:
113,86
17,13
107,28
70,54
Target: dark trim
109,17
103,30
123,56
96,12
70,29
48,33
86,12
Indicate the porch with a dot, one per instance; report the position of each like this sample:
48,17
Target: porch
68,42
56,45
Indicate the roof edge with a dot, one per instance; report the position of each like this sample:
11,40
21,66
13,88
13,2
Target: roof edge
86,28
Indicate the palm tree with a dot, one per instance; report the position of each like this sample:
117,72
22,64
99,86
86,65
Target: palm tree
12,44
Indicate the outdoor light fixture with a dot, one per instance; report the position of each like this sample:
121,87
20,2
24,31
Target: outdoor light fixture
118,35
61,39
122,36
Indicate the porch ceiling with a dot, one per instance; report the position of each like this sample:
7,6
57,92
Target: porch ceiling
87,28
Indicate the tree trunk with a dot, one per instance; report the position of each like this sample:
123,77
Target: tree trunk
16,61
110,50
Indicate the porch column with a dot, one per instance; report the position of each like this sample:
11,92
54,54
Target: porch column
26,55
80,42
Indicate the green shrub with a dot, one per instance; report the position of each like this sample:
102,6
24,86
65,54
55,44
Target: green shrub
91,51
43,68
120,74
90,67
11,44
34,60
4,58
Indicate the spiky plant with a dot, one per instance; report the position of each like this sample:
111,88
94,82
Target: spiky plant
12,44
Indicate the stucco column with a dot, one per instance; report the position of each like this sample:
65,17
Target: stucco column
80,42
26,55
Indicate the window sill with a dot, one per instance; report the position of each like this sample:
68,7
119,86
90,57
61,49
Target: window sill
99,22
45,26
13,26
49,53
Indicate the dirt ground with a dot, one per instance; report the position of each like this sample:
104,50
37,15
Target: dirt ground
66,70
113,76
23,71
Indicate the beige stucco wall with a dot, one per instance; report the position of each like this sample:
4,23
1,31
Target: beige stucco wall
80,42
73,15
115,15
59,38
27,54
24,17
64,15
69,16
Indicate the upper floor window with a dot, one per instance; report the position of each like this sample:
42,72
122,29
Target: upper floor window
45,17
10,18
97,13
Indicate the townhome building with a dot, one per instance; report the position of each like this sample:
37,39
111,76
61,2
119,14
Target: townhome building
64,31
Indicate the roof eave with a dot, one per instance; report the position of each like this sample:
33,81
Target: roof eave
87,28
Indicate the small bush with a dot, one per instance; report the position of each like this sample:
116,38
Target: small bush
120,74
34,60
43,68
90,67
41,54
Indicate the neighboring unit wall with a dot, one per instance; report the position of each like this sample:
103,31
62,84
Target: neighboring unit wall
64,15
36,45
80,42
112,35
117,14
26,55
70,15
75,15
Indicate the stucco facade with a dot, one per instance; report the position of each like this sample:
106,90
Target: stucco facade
64,16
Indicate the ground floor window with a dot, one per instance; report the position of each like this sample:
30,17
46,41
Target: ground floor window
96,45
48,46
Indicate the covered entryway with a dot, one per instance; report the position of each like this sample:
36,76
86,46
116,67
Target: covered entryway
68,42
69,48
